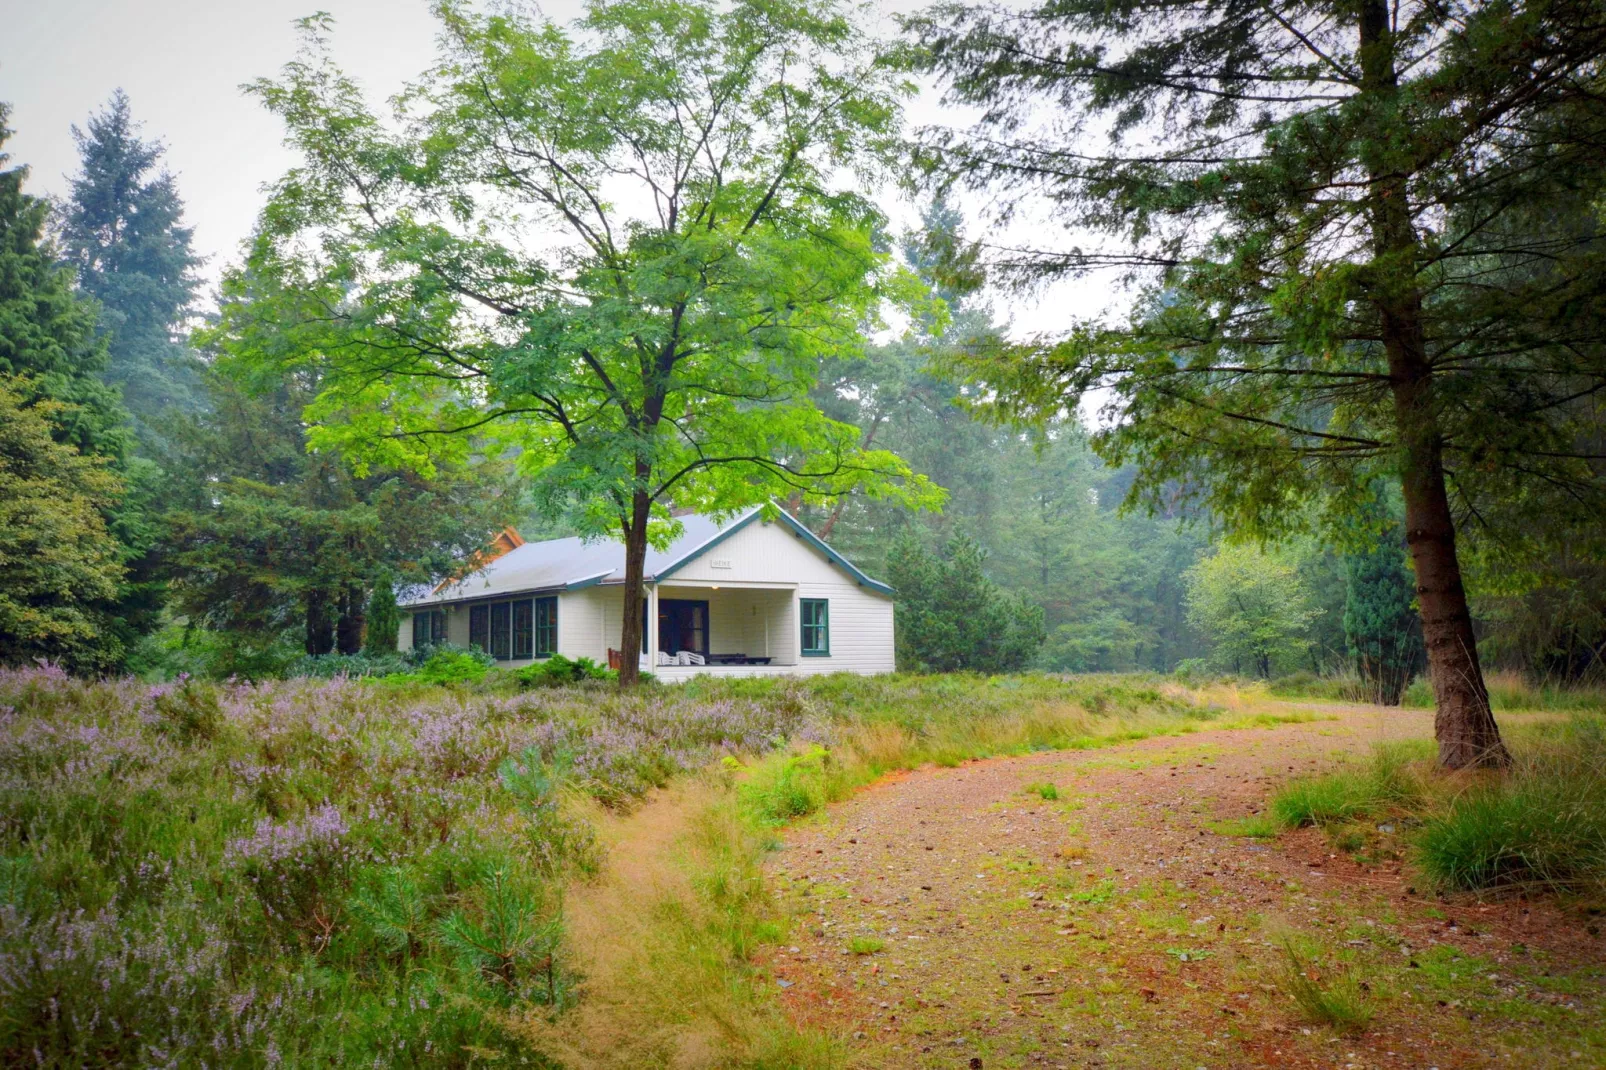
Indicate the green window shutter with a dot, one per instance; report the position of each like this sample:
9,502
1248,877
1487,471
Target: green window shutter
816,614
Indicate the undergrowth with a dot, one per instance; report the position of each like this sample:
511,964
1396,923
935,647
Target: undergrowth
1540,825
1508,692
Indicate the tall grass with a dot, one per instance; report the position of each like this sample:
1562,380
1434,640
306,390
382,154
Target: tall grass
1337,1001
1508,692
1540,825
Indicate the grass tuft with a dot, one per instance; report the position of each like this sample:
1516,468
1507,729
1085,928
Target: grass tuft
866,945
1044,790
1540,826
1255,827
1339,1002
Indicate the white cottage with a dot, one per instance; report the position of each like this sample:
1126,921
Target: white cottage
749,597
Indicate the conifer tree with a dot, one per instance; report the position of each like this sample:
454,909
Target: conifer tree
122,231
1368,246
1380,623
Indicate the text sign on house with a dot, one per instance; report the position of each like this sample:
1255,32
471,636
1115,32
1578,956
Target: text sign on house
719,562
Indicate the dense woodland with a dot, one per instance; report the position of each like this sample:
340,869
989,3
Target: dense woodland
213,483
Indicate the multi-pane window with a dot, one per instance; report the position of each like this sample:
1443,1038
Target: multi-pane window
501,634
515,630
546,627
521,629
429,628
816,627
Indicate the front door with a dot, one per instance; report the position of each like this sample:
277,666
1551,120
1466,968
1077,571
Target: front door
682,625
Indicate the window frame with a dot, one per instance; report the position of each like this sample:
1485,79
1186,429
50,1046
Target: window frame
544,627
432,622
820,626
479,627
501,633
523,645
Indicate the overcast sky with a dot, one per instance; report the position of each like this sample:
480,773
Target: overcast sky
182,63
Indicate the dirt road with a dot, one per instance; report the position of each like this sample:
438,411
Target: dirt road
954,918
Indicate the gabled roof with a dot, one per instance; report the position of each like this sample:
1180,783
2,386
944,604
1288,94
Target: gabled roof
569,564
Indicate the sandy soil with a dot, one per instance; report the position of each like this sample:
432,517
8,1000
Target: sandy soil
951,918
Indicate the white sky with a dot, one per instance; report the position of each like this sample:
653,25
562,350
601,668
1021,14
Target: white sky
182,63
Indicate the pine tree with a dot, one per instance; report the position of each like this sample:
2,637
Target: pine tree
952,618
1369,246
384,619
1380,621
122,231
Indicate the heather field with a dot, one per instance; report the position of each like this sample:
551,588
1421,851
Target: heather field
388,872
312,872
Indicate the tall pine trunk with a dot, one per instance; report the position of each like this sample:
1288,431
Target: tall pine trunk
635,569
1463,723
353,620
320,624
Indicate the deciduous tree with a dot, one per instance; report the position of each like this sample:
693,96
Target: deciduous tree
618,253
1251,607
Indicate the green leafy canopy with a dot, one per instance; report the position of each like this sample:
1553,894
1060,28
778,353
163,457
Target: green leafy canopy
619,255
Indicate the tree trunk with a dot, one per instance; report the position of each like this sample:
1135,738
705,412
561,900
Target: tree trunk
320,624
1463,724
635,568
353,617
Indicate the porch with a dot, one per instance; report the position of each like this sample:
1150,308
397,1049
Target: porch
724,629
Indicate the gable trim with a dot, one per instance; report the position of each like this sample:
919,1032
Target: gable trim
799,531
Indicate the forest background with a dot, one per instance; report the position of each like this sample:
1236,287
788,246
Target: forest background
168,517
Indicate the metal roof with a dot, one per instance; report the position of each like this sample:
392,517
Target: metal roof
567,564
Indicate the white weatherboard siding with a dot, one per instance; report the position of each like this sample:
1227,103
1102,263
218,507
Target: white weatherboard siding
752,578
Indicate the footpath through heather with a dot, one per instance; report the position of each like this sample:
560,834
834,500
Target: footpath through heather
957,918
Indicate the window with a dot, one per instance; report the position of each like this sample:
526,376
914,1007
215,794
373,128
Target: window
429,628
521,629
816,627
516,630
501,618
546,627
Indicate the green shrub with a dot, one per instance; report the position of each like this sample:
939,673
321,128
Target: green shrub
559,671
792,786
453,665
367,663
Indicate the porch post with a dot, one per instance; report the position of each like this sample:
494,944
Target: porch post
652,627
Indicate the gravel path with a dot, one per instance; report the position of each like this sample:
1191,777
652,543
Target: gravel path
953,918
